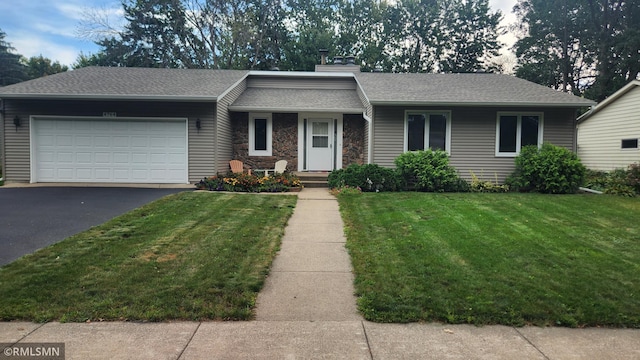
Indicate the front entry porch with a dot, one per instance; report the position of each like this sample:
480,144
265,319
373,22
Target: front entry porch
308,141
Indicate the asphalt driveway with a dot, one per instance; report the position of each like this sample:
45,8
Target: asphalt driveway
33,218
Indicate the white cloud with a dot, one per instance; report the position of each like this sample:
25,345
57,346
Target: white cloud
30,45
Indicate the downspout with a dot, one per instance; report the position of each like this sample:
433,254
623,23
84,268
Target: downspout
2,149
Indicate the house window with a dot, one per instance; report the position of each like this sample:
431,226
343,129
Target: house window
515,130
629,143
260,140
425,130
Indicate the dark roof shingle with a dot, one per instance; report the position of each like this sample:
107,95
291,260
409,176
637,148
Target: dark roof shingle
120,82
461,89
284,100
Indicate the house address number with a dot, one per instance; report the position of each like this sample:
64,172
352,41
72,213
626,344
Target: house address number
109,114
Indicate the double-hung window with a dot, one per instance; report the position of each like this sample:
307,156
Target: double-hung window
427,129
260,128
515,130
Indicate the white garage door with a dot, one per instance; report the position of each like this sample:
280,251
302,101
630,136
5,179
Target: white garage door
109,150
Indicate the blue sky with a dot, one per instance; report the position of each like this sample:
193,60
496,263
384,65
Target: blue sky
50,27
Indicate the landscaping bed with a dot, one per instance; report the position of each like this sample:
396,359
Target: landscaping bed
244,182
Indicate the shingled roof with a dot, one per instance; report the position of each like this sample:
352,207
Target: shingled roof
292,100
461,89
128,83
209,85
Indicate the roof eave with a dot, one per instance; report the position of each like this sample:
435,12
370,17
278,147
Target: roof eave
242,108
107,97
481,104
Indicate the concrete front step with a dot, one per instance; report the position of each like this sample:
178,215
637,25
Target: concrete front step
313,179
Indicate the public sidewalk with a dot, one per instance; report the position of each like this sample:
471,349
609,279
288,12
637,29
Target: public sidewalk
307,311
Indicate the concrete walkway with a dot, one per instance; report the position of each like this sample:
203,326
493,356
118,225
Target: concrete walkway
307,311
311,278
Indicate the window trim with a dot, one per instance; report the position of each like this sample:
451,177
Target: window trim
630,148
519,115
252,134
426,113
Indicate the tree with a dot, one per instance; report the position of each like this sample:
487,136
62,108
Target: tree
39,66
11,68
470,40
407,35
311,27
590,48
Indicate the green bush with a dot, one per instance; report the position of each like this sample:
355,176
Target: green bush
633,177
616,182
550,169
429,170
370,177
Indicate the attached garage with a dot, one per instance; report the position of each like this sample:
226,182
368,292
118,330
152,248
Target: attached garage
122,150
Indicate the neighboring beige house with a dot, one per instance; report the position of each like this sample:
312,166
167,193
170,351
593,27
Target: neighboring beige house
141,125
608,135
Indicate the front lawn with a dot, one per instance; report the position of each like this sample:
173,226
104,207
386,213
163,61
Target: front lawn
191,256
512,259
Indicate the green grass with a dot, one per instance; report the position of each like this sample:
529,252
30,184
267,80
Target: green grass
191,256
511,259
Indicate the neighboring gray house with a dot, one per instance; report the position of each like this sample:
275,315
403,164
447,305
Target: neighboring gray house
608,135
176,126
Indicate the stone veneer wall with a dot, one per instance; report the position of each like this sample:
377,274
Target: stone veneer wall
353,135
285,141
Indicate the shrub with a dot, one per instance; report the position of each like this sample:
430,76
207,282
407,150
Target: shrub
370,177
633,177
479,185
616,182
429,170
550,169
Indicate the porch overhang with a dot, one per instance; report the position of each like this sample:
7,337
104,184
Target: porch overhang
298,100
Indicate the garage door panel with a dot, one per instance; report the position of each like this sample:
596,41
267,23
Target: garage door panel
84,158
110,150
103,175
64,157
84,174
64,140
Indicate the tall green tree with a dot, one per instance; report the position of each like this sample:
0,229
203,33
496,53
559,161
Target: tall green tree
11,68
39,66
470,39
311,25
401,36
588,47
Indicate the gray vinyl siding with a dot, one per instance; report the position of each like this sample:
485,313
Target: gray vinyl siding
600,136
473,137
17,149
301,83
224,132
388,135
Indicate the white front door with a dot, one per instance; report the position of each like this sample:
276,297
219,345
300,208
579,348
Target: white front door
320,145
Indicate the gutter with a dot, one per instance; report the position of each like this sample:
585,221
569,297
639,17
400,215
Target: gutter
277,109
118,97
476,104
